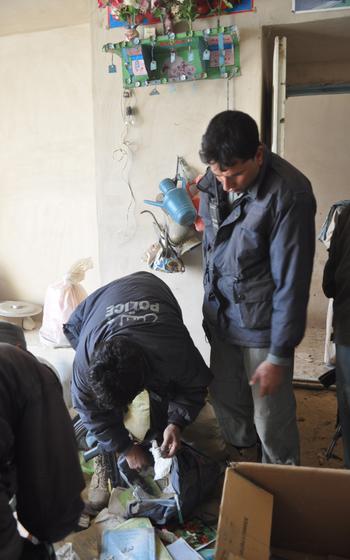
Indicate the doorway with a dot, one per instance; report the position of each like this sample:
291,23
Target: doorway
316,139
318,143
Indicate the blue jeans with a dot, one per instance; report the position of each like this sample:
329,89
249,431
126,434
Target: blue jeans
343,395
242,412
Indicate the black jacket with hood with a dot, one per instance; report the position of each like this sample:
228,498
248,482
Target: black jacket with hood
141,307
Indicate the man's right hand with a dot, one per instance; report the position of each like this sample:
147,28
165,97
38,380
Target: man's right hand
137,458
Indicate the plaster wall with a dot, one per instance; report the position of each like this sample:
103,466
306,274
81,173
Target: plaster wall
47,197
318,142
170,124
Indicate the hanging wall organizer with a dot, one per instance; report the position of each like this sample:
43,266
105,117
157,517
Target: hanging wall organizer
198,55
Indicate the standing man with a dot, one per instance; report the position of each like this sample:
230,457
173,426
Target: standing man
259,243
336,284
129,335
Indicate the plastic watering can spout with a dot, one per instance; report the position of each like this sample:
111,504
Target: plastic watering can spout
154,203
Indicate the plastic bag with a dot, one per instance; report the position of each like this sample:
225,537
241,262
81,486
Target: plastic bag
60,301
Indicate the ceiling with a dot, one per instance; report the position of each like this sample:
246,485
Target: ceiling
24,16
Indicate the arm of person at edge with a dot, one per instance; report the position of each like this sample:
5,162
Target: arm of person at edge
328,281
292,249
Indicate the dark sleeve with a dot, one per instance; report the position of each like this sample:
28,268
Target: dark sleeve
74,324
191,390
49,477
10,542
328,283
106,425
292,247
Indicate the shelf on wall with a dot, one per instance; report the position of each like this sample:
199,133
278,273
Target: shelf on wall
198,55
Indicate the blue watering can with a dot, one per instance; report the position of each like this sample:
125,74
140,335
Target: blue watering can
176,202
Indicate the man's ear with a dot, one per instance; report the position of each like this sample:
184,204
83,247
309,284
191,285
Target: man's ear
259,156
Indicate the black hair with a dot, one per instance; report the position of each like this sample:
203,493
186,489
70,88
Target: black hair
230,136
117,372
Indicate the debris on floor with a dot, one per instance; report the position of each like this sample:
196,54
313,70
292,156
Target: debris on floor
317,414
138,538
66,552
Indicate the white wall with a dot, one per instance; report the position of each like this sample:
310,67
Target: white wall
47,196
170,124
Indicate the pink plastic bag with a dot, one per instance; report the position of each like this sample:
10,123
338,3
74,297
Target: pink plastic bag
60,301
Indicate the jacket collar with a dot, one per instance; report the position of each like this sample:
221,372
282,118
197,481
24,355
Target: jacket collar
253,190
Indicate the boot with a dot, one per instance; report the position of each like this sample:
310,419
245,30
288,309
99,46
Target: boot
98,495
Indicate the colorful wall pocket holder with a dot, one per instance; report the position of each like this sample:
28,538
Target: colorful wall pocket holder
209,54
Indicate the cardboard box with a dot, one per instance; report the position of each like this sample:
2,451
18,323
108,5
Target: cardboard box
294,513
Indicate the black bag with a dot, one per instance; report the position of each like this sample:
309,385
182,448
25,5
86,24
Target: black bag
41,551
193,477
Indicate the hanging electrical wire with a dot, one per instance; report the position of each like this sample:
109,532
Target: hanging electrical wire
124,153
229,81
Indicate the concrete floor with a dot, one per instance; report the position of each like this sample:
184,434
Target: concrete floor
309,355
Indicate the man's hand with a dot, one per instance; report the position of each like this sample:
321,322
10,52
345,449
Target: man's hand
269,377
137,458
171,441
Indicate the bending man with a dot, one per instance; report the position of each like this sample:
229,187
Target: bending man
129,335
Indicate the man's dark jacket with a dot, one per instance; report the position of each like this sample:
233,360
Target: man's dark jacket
258,265
38,453
141,307
336,278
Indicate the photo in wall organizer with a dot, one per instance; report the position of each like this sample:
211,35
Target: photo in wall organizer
319,5
183,59
136,58
213,45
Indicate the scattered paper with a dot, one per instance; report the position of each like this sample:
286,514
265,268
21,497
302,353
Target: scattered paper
135,522
129,544
180,550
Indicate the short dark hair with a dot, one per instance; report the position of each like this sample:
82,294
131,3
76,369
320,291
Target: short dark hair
230,136
117,372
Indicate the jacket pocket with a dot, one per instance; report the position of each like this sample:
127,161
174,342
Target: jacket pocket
254,300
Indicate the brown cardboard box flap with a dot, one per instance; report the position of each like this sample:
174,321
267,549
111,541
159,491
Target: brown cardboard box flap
245,520
311,509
